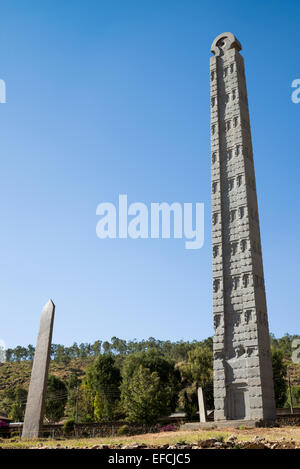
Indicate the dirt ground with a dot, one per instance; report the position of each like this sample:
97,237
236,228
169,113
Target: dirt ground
282,434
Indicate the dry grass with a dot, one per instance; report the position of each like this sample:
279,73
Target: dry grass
271,434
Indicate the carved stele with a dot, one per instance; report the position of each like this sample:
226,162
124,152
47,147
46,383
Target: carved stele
243,381
34,413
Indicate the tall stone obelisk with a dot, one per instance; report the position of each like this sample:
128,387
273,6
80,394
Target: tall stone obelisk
243,381
34,413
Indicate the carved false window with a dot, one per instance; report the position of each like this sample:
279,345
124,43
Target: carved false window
241,212
217,320
216,285
213,101
245,280
237,150
243,245
225,72
212,76
232,215
248,315
228,125
214,157
229,154
235,282
239,180
215,218
215,251
230,184
231,68
233,94
235,121
213,129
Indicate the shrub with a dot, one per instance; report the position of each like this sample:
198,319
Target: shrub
124,430
68,426
56,399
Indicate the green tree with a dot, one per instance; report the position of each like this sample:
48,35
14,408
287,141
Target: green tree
56,399
284,344
85,403
9,354
30,352
118,345
145,398
199,371
295,392
106,346
73,387
279,376
157,366
200,366
20,353
103,380
190,404
18,405
96,348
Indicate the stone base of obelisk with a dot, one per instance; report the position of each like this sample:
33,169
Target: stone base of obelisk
226,424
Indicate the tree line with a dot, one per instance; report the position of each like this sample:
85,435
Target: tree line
177,351
139,381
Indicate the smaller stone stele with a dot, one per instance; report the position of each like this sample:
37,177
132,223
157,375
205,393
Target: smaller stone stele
34,413
202,406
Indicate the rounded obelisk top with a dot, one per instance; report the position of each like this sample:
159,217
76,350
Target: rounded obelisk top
224,42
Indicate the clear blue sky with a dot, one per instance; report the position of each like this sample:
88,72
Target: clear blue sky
109,97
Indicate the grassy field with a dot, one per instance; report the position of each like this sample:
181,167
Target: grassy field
156,439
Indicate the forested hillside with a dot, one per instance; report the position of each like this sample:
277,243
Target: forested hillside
134,380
